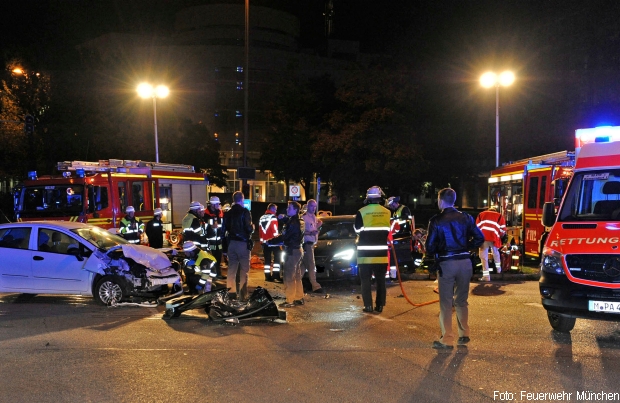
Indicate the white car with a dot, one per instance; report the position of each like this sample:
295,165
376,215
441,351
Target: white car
63,257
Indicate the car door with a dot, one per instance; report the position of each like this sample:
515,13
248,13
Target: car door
16,258
55,269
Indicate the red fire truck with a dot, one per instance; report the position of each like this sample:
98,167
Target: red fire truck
98,192
519,190
580,268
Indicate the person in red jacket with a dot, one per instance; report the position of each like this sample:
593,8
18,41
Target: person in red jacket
268,229
493,226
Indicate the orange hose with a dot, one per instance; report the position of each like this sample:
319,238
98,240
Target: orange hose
401,283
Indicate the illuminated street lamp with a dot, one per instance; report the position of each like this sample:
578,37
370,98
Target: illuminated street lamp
488,80
147,91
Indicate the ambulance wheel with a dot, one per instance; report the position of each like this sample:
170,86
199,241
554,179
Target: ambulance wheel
561,323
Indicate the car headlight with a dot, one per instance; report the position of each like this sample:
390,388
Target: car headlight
345,254
551,261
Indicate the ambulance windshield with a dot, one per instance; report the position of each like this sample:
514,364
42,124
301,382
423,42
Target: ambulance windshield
51,201
592,196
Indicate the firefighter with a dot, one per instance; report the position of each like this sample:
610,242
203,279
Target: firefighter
155,230
213,217
372,223
131,227
400,226
493,226
197,267
192,224
268,229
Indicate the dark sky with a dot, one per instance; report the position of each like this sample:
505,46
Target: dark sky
450,42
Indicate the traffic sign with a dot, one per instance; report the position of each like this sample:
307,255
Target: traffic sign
294,190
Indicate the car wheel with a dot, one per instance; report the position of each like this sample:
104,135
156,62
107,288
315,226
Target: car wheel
561,323
108,290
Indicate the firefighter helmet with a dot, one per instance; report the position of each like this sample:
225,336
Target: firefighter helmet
188,246
130,209
393,200
374,192
194,205
214,200
157,211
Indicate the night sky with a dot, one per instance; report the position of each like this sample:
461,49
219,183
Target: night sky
556,49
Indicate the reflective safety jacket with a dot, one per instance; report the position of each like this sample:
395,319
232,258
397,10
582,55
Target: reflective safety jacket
193,228
372,223
131,228
268,226
155,232
198,270
401,220
213,228
492,225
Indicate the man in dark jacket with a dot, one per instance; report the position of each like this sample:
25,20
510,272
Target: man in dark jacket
292,237
451,235
155,230
238,229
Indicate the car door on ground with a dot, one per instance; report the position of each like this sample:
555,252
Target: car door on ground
15,260
55,267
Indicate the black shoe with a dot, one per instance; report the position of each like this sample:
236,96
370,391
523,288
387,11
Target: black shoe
268,278
367,308
232,295
440,346
318,291
463,340
287,304
220,277
299,302
379,308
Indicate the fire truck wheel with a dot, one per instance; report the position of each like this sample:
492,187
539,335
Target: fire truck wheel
175,238
561,323
107,291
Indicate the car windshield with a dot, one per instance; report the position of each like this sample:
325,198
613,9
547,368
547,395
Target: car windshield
51,200
99,237
337,230
593,196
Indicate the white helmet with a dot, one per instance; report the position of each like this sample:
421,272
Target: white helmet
214,200
374,192
158,211
194,205
130,209
188,246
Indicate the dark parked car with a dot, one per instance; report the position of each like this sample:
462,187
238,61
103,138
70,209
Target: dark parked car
335,252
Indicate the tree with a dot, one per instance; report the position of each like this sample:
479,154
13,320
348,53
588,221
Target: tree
294,115
25,91
196,147
368,139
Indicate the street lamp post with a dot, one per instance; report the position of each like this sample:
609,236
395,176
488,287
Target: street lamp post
488,80
146,90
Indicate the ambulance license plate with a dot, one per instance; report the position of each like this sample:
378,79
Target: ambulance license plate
604,306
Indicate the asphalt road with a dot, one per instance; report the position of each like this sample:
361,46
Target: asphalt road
67,349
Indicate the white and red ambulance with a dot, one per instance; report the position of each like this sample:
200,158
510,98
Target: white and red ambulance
580,266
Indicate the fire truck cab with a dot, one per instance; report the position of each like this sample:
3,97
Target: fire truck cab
580,267
519,190
98,192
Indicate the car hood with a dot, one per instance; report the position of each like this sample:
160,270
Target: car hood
153,259
331,246
146,256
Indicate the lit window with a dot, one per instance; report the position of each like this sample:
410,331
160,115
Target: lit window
239,85
239,69
238,114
